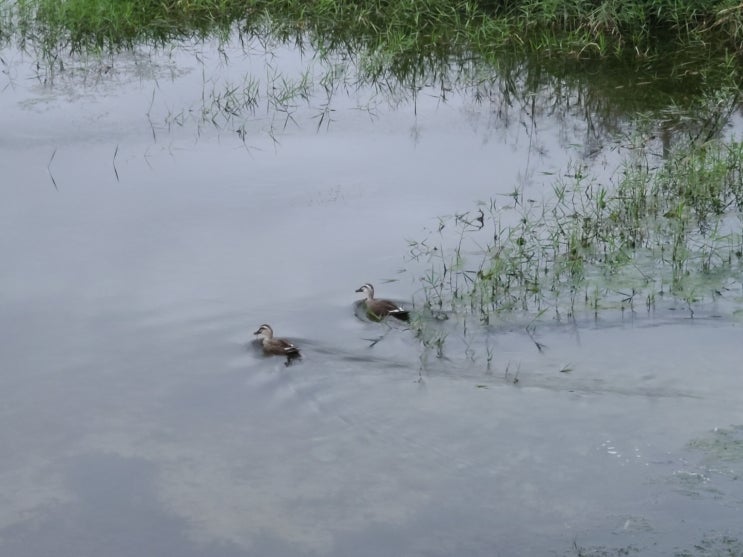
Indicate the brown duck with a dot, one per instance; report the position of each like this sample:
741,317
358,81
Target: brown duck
276,346
378,308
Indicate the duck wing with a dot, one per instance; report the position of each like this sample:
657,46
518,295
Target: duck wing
383,308
282,346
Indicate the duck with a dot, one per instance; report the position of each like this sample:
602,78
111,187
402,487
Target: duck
276,346
378,308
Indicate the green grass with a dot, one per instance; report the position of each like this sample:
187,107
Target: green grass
577,28
668,228
55,26
621,57
618,57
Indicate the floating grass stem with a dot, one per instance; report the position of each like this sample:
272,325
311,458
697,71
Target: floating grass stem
674,228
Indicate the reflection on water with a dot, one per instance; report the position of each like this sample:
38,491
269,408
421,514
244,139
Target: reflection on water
137,418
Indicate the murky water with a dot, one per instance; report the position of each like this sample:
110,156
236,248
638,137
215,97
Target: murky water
141,248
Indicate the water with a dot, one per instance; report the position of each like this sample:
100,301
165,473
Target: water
140,418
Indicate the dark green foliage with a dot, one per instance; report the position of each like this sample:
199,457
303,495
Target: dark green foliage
576,28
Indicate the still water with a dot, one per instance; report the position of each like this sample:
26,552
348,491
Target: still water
140,249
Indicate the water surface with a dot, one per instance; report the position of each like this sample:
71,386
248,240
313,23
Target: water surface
142,247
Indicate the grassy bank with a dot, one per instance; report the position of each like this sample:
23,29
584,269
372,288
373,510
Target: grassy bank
617,58
549,27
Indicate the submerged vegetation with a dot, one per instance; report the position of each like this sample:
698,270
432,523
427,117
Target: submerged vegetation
667,227
664,234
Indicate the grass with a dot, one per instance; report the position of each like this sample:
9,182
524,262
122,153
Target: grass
599,54
669,228
55,26
616,57
577,28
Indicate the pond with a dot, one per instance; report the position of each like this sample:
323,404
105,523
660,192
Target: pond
151,223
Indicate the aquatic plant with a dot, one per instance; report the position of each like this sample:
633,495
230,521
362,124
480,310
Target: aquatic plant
395,34
669,227
552,27
595,59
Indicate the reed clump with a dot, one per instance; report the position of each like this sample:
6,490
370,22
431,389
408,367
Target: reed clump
638,28
55,27
668,230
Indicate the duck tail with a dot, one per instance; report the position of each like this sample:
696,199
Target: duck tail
401,314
